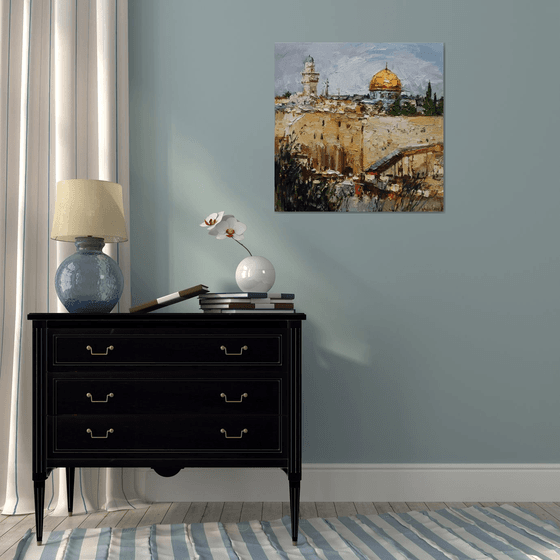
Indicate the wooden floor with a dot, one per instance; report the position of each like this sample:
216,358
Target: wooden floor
12,528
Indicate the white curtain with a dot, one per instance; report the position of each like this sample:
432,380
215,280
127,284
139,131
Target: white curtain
63,115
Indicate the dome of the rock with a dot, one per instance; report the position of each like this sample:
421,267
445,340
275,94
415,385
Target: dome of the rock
385,80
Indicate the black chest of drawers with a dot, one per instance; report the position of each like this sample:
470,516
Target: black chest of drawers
166,391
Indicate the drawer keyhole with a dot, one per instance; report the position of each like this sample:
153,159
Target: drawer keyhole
106,398
224,396
234,353
88,347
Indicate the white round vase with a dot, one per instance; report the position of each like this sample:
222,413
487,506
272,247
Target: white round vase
255,274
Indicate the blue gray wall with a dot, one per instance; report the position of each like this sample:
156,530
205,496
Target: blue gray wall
430,338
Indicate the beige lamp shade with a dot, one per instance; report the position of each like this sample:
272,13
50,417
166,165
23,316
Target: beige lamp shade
86,207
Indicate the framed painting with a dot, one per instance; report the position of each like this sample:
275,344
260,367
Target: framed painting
358,127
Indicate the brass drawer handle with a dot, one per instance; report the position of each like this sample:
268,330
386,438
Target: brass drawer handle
234,353
106,398
234,437
110,431
223,395
99,353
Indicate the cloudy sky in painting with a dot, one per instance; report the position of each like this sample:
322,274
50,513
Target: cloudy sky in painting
349,67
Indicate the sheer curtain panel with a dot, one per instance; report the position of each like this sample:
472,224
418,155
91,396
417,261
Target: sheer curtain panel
63,115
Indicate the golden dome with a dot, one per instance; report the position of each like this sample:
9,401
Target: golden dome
385,80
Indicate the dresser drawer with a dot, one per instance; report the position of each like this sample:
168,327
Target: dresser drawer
94,350
166,396
164,433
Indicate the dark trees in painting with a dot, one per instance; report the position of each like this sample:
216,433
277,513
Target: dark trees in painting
429,107
295,188
406,109
432,105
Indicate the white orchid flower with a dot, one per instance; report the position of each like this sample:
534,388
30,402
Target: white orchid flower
211,221
230,227
222,226
213,230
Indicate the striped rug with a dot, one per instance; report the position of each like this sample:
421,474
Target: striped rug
500,533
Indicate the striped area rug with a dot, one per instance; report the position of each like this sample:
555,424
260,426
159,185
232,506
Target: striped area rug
500,533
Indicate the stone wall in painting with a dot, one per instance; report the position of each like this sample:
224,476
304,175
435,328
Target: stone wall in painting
349,138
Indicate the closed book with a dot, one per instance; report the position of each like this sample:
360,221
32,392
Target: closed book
170,299
236,305
215,301
236,295
244,305
228,311
283,305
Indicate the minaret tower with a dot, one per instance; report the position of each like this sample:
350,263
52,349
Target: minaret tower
309,78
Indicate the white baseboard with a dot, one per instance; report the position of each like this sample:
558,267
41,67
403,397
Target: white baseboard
361,483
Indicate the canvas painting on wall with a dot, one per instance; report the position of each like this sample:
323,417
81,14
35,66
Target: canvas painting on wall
359,127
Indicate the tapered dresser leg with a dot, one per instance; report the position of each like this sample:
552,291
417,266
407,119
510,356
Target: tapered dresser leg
39,488
294,508
70,471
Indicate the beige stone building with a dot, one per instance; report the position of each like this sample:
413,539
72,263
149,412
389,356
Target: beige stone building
309,78
385,86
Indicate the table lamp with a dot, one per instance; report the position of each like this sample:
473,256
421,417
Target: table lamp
89,213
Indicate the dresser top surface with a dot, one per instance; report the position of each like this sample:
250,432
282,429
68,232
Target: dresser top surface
167,317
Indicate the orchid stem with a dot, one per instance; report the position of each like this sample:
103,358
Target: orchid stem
244,247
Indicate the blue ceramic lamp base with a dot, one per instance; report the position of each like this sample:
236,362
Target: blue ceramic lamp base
89,281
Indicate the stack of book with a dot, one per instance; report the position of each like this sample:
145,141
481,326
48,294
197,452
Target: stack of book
246,302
